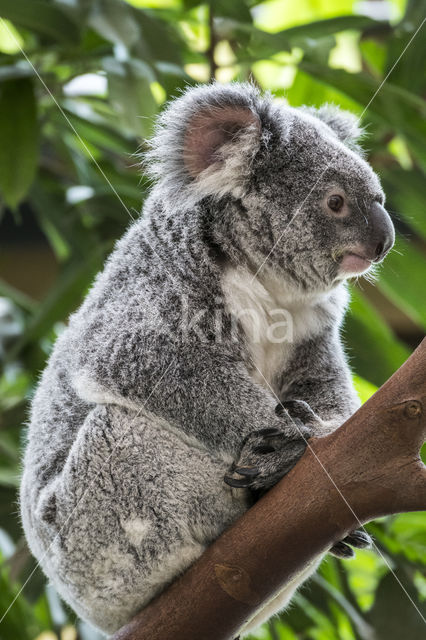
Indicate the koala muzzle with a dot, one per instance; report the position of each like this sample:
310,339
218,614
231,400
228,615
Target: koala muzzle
382,234
378,239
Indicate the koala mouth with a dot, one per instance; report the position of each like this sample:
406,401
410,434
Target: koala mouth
354,263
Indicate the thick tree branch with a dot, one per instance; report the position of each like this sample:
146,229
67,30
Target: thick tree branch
369,467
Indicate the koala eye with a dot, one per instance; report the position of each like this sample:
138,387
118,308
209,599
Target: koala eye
335,203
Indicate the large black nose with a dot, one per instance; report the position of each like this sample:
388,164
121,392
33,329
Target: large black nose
382,232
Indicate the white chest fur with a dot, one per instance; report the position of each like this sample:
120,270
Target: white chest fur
274,320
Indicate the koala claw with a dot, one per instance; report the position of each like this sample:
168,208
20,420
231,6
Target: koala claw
249,472
241,483
268,433
266,456
357,539
342,550
237,483
264,448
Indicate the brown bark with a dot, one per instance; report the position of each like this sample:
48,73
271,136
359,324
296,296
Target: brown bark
369,467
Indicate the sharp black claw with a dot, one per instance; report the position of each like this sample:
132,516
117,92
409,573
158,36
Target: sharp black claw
358,539
249,472
264,448
238,483
268,433
280,409
342,550
288,403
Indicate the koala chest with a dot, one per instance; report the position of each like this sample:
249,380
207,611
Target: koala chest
273,325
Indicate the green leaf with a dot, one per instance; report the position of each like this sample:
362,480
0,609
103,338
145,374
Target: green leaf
362,86
63,298
19,139
374,53
159,41
410,70
9,521
375,353
307,90
363,388
41,17
397,612
362,574
327,27
405,192
395,106
404,535
363,628
114,21
12,625
263,44
237,10
15,71
318,616
130,94
9,446
13,389
190,4
98,134
42,611
18,297
9,477
402,280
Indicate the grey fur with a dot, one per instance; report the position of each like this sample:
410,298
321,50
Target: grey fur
139,415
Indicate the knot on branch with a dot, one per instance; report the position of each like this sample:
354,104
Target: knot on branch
408,409
413,409
236,583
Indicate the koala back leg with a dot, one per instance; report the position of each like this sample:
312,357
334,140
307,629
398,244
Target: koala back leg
132,508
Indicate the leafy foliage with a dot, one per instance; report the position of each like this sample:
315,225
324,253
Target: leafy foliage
80,84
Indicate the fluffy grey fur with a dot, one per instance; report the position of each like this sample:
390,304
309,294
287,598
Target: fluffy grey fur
157,390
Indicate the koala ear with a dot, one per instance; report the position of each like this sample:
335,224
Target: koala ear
205,142
213,134
344,123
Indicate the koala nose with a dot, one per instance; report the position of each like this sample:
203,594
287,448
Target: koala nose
382,235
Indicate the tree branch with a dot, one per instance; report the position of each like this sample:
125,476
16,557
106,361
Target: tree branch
370,467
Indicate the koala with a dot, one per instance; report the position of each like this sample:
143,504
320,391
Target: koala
206,353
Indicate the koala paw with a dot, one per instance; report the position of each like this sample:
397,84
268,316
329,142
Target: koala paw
266,456
357,539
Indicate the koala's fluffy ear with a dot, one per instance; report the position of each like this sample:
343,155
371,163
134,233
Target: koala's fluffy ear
206,140
344,123
211,134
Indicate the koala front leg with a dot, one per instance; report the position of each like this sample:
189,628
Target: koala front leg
320,393
316,384
316,397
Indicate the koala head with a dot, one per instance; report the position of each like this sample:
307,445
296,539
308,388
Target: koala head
287,188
